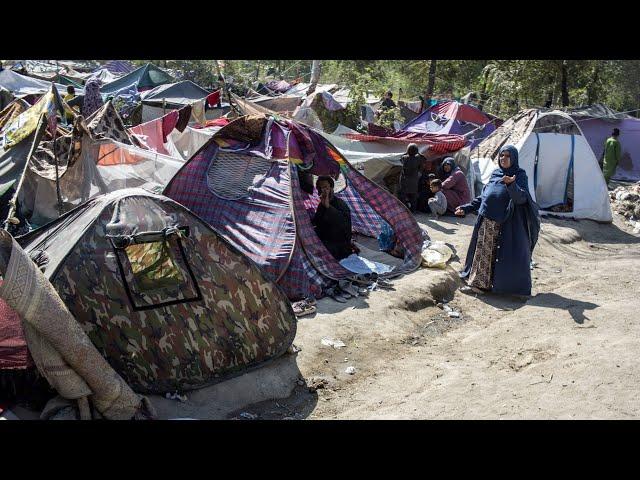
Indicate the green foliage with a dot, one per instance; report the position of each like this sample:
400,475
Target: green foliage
508,85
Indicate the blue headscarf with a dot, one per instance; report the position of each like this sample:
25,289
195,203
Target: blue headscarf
496,200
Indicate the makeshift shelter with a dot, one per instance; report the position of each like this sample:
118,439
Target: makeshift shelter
246,182
143,78
597,122
21,85
97,157
168,135
564,176
453,118
173,96
119,67
167,301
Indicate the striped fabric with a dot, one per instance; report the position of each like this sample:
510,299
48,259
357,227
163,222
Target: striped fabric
408,233
261,224
437,143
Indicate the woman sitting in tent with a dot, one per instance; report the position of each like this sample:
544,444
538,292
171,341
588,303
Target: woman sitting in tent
505,233
454,185
333,220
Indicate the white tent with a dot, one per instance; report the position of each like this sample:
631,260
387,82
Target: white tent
561,167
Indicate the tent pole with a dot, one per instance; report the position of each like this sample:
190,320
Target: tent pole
55,156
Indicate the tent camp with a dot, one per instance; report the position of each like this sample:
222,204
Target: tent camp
246,182
378,158
453,118
167,135
21,85
97,157
164,298
143,78
597,122
172,96
564,176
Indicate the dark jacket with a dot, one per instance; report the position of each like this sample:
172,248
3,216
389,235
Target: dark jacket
411,170
333,227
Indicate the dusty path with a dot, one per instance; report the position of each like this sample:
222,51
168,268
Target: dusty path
569,352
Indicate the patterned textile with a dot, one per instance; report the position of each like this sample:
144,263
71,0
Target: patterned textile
364,219
106,123
92,98
262,223
389,208
225,317
13,346
437,143
59,346
11,112
246,129
484,258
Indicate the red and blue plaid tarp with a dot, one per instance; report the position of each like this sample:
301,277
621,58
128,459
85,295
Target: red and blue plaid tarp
437,143
272,223
260,224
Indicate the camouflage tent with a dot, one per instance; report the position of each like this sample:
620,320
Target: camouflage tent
164,298
253,182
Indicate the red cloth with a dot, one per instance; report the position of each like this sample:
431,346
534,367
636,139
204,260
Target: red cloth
456,190
169,122
13,346
218,122
213,99
437,143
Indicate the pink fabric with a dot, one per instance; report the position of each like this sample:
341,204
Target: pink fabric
13,346
456,190
153,131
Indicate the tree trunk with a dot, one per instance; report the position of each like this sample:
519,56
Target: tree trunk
432,79
564,84
592,89
483,91
315,72
315,76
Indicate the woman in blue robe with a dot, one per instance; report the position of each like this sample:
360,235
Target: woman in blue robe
505,233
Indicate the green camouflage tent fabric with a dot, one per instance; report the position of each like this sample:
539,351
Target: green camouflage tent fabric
179,312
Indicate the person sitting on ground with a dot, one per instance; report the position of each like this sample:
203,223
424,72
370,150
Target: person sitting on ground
332,220
612,154
70,113
412,165
437,203
454,185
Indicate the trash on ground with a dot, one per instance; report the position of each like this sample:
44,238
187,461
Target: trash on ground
436,255
350,370
332,343
317,384
451,312
176,396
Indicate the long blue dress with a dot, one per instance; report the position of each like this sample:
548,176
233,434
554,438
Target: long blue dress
516,212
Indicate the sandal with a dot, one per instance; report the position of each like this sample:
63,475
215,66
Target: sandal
302,308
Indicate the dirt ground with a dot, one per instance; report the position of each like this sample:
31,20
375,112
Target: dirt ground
568,352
